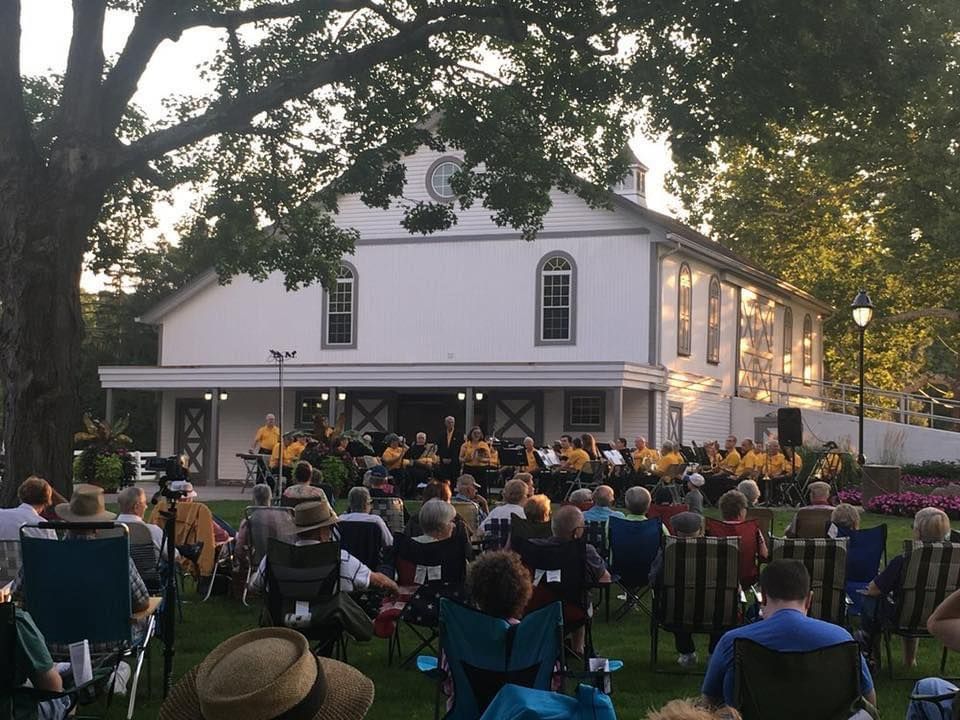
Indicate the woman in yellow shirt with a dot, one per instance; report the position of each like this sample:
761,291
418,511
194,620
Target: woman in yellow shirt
475,450
392,456
577,457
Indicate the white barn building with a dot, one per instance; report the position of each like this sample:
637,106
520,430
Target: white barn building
617,322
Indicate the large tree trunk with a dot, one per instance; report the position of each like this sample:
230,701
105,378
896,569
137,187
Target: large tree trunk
43,233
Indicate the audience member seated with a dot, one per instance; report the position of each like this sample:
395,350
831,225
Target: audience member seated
269,672
302,489
527,478
222,532
566,525
467,492
499,585
602,510
514,493
929,525
845,517
315,520
132,502
733,511
694,709
582,498
819,499
35,496
751,491
785,627
358,510
34,667
637,500
262,497
440,490
685,525
437,521
377,481
537,509
944,625
694,497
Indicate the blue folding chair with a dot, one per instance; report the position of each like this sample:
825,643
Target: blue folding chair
484,653
865,549
633,547
79,589
519,703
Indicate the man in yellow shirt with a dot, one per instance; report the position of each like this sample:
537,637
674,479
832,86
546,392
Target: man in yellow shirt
644,457
730,461
266,437
751,462
529,452
775,465
668,458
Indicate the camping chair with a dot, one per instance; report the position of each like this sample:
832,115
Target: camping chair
263,523
527,529
865,548
391,510
823,683
484,653
749,547
145,557
699,590
558,572
469,513
633,548
428,572
497,533
514,701
10,688
195,527
9,559
666,513
595,533
826,561
363,540
79,589
306,574
812,523
765,518
589,476
931,571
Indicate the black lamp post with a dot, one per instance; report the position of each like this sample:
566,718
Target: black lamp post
862,314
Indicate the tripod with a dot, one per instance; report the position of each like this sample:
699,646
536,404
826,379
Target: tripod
169,587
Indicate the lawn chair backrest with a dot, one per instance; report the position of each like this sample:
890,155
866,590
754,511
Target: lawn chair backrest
557,571
300,572
765,521
78,589
666,513
523,528
595,533
498,532
822,684
931,571
633,547
442,562
826,561
264,523
749,547
9,559
469,513
865,549
145,556
363,540
8,650
812,522
700,586
391,510
194,525
484,653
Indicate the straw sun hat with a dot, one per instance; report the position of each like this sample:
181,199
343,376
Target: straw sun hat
265,674
86,505
314,514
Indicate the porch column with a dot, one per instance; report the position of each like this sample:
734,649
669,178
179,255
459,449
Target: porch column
468,410
213,459
618,412
332,407
108,415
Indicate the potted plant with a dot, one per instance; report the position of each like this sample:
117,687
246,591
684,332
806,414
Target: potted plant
104,458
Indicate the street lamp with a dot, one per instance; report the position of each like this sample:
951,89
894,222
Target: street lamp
862,309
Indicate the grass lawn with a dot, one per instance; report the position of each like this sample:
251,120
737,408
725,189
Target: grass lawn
405,694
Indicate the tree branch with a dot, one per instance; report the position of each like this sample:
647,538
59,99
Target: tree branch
81,83
910,315
235,114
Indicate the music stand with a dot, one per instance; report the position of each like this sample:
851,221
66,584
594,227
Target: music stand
513,456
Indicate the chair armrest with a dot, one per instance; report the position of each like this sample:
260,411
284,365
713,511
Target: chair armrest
152,605
934,698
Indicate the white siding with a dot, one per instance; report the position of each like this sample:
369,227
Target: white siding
636,414
553,417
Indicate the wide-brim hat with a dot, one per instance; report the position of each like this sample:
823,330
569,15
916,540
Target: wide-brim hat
314,514
185,487
696,479
267,673
86,505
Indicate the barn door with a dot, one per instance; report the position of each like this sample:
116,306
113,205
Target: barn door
193,435
518,415
368,413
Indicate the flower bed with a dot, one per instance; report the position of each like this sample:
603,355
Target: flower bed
906,504
851,496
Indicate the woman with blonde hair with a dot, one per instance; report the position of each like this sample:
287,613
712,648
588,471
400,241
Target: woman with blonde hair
537,509
692,710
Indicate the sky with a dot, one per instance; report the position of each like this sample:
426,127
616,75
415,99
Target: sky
46,27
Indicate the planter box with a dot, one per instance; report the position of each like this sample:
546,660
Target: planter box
879,480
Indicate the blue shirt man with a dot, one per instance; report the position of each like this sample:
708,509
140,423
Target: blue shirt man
785,588
602,510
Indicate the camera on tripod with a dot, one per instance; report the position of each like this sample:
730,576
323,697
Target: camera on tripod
169,470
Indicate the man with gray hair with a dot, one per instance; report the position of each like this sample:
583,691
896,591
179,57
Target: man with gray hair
581,498
514,493
358,510
448,450
637,500
467,492
602,510
132,502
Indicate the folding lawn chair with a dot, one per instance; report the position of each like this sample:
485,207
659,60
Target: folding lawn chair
527,529
666,513
865,549
633,548
749,546
264,523
826,562
391,510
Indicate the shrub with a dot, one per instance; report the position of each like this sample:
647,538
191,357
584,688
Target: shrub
103,459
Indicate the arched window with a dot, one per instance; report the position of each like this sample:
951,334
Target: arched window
684,310
713,321
556,300
787,343
340,310
807,349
